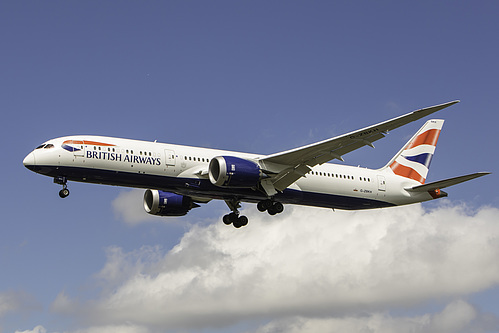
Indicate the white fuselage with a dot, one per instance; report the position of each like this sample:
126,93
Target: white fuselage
184,170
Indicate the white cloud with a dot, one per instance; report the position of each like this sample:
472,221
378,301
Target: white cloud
37,329
305,262
128,206
14,301
98,329
127,328
8,303
455,317
458,316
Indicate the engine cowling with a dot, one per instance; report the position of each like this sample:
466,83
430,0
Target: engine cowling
163,203
230,171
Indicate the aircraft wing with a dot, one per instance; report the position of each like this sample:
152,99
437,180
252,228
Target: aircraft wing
295,163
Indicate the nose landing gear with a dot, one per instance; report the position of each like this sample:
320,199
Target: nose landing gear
62,181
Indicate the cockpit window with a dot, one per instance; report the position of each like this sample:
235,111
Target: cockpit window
45,146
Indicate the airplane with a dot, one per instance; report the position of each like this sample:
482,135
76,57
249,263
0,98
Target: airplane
179,178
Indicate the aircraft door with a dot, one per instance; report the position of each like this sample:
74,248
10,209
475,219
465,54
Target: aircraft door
170,157
381,184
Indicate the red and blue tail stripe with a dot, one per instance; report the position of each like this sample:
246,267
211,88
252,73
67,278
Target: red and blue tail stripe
413,161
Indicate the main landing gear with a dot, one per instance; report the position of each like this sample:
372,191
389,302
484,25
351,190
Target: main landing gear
272,207
234,218
62,181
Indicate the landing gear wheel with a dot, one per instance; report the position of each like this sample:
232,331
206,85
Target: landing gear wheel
276,208
233,217
271,211
264,205
230,218
64,193
241,222
226,219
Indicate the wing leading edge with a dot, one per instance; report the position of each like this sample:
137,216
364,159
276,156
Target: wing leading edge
289,166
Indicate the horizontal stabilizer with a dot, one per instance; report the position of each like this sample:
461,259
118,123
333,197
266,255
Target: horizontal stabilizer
446,182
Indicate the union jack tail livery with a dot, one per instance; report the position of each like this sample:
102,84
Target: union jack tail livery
413,160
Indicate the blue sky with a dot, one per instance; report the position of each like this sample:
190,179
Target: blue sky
258,77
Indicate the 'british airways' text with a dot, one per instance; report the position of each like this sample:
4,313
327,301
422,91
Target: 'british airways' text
99,155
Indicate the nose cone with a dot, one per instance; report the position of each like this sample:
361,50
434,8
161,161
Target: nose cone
29,161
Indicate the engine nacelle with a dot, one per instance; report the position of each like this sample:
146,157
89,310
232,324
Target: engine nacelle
167,204
229,171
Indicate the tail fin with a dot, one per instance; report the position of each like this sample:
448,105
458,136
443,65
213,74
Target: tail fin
413,160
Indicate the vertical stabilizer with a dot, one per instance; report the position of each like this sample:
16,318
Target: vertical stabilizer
413,160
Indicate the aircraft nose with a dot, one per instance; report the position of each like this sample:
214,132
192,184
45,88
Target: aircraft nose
29,161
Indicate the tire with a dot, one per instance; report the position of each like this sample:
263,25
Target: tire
243,220
264,205
240,222
226,220
261,206
64,193
233,217
271,211
278,207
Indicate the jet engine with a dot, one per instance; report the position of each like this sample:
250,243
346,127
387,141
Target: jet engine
167,204
229,171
